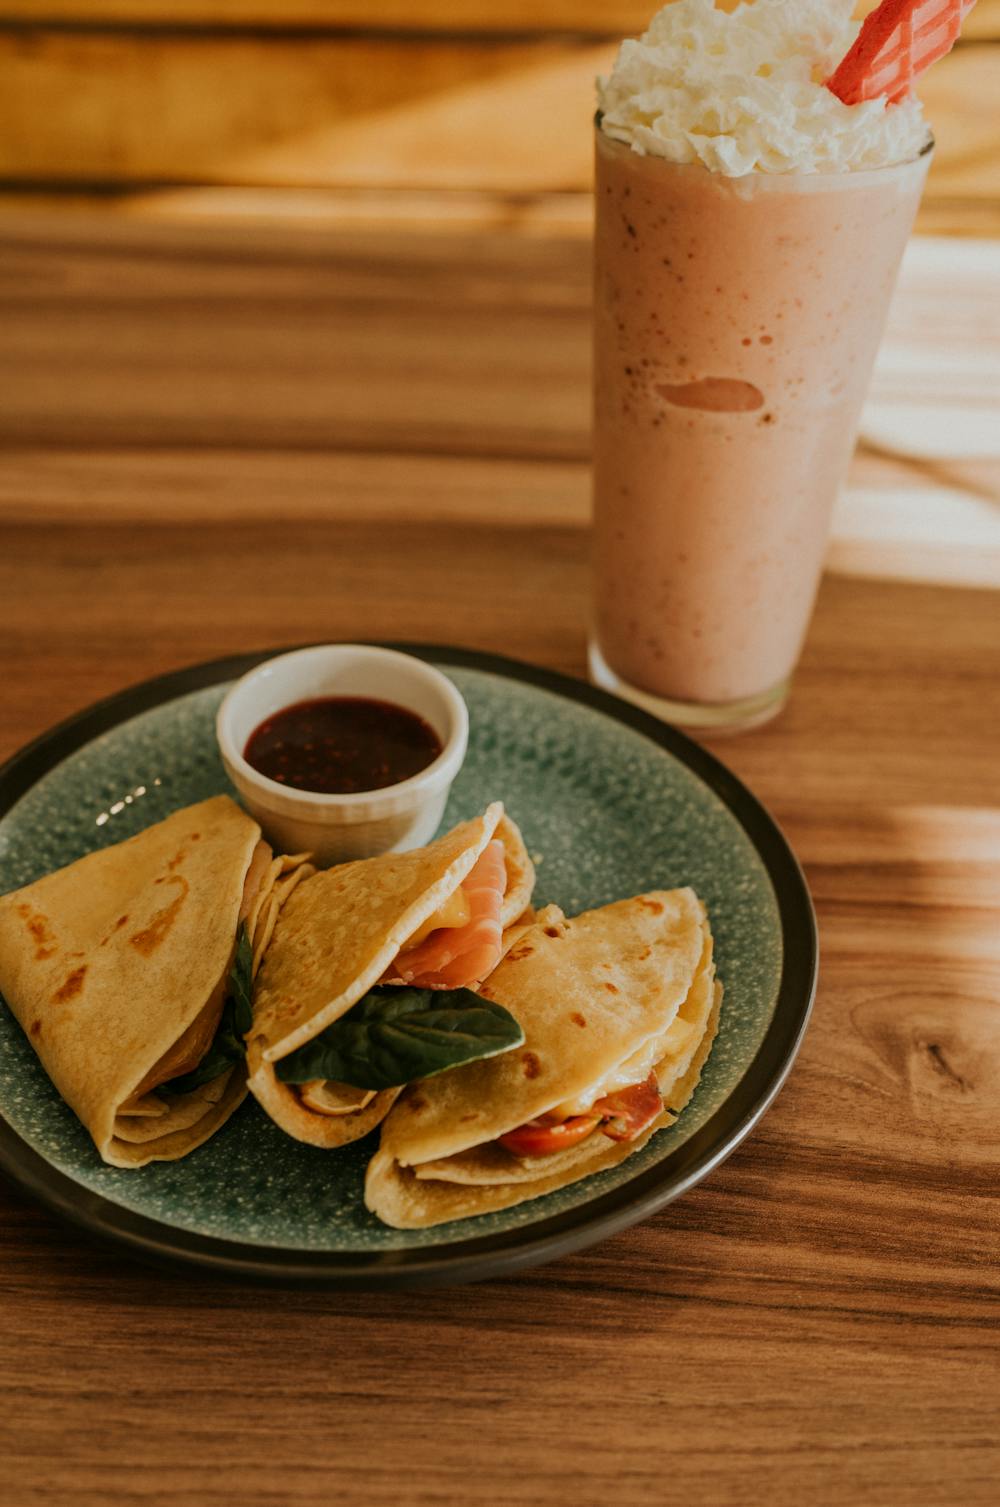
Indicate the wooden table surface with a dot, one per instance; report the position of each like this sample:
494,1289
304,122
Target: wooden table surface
215,438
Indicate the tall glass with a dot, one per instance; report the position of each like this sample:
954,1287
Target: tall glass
736,321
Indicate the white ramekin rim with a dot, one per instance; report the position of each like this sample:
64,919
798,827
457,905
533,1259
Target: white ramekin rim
357,805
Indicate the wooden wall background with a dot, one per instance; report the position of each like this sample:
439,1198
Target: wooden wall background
421,109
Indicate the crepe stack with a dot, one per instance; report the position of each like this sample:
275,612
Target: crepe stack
117,968
604,999
345,931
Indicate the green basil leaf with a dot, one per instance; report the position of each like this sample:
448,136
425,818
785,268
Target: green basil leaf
395,1034
241,982
228,1046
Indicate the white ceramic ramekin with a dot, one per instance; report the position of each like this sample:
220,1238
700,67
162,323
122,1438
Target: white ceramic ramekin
335,828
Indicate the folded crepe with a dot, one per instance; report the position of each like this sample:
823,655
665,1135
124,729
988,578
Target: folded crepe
118,968
431,918
619,1008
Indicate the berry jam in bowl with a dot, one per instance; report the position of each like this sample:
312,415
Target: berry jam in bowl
344,750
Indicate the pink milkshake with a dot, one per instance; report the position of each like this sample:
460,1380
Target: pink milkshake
741,288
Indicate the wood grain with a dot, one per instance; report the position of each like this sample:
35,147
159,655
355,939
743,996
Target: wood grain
316,314
316,336
817,1323
618,18
413,210
458,114
287,110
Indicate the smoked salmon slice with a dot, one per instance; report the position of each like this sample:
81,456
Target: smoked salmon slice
458,957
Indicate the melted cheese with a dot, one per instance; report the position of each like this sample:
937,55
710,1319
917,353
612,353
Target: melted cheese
635,1069
454,913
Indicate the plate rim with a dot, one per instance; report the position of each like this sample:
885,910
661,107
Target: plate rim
479,1257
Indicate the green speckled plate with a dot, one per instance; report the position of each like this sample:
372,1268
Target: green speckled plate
610,801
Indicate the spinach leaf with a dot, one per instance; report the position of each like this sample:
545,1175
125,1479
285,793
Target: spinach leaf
241,984
395,1034
228,1045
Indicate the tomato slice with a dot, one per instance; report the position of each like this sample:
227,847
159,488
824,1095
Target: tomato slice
542,1136
623,1116
629,1111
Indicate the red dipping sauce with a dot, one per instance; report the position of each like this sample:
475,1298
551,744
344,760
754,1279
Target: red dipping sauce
339,745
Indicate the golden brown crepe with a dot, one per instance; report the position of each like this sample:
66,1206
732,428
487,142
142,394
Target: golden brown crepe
116,969
603,999
335,939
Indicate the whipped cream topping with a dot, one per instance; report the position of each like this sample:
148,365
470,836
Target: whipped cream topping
743,92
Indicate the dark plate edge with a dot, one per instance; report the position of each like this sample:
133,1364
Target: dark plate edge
484,1256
